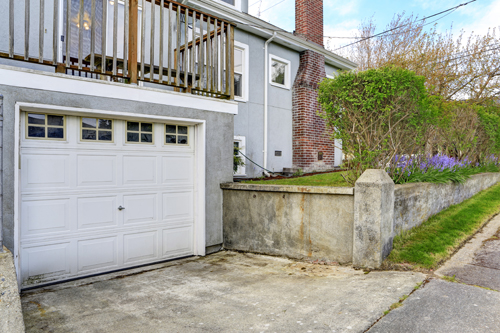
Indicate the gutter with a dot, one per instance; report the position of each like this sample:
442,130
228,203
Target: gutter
266,92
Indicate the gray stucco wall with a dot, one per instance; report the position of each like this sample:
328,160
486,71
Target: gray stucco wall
415,203
250,119
219,142
292,221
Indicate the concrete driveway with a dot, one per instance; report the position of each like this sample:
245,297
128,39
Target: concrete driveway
222,292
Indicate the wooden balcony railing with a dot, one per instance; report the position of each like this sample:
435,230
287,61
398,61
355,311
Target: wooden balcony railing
157,41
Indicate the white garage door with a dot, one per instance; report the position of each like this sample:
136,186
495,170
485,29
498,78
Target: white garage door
99,195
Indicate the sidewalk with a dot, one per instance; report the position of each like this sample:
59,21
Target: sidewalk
468,305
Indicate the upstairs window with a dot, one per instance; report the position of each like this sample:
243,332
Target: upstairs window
241,68
236,4
279,72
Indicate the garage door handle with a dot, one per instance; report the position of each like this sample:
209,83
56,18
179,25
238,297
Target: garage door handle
121,208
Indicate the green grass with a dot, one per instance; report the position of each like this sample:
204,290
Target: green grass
324,179
427,245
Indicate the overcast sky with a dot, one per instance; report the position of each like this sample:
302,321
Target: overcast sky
342,17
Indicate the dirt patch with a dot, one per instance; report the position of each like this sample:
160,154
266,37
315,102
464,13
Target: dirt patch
236,180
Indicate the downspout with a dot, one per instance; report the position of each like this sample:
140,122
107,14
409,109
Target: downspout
266,88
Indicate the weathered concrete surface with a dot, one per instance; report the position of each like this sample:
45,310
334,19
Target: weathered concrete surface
478,262
223,292
443,306
373,218
415,203
308,222
11,316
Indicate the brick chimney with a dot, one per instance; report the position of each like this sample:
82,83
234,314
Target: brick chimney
312,147
309,20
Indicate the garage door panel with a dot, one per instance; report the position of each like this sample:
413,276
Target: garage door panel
97,253
139,170
96,170
140,208
140,247
177,170
45,262
178,205
178,241
97,212
40,217
42,171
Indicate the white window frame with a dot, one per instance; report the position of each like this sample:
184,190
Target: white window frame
241,172
329,76
246,71
237,4
288,72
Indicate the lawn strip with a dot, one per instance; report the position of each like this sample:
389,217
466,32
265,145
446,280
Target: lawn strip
334,179
427,245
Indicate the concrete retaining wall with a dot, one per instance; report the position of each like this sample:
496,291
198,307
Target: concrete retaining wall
293,221
415,203
335,223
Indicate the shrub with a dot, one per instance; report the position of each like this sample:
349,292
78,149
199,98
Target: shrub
378,114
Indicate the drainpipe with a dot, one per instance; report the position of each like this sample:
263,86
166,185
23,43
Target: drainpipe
1,174
266,88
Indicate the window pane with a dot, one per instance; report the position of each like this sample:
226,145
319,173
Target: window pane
55,120
231,2
36,119
105,123
170,139
89,122
88,134
36,132
145,127
133,137
236,144
105,136
170,129
55,132
146,137
238,85
278,72
182,130
182,139
132,126
238,60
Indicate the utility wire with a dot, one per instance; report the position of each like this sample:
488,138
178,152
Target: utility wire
239,152
425,18
272,6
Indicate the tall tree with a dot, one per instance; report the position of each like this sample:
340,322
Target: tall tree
456,67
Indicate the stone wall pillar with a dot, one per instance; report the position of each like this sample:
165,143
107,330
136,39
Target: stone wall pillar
373,218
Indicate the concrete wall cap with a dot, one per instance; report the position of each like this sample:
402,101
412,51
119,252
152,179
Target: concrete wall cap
374,176
288,188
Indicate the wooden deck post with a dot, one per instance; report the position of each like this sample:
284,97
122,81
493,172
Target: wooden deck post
231,68
133,40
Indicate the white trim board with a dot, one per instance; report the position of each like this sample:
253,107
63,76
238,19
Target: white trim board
33,79
199,151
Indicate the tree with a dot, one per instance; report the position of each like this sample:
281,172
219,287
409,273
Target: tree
454,68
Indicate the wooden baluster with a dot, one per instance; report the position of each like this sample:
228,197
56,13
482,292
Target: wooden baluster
115,36
11,28
169,48
92,36
185,54
68,31
152,43
80,35
160,65
26,29
193,49
177,47
231,63
104,36
55,33
200,55
126,28
143,39
41,31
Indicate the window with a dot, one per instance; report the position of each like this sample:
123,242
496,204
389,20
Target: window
45,126
241,64
239,143
279,73
95,129
236,4
176,134
138,132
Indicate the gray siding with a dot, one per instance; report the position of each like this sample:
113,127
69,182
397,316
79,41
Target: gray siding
219,138
250,119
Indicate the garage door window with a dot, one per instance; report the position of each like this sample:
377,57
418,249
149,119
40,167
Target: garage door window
45,126
95,129
176,134
138,132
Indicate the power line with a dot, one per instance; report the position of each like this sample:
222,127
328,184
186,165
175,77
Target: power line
275,6
425,18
